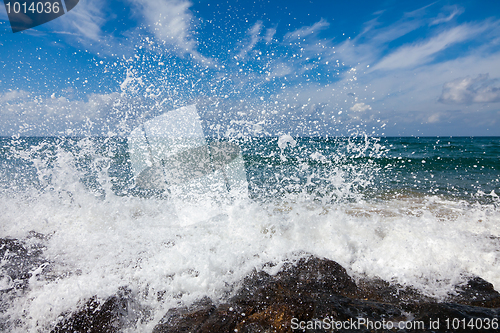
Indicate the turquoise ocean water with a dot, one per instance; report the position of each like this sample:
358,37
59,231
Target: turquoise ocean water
465,168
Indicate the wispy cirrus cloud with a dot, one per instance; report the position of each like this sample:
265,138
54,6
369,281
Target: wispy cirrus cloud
253,38
413,84
171,21
88,20
270,34
425,51
443,17
85,25
85,21
308,30
397,69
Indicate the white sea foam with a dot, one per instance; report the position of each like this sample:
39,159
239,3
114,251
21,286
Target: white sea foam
97,244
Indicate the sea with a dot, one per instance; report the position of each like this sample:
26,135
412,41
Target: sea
415,211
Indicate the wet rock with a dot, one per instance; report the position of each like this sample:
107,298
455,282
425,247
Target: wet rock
313,288
19,261
314,293
300,294
477,292
382,291
188,319
97,316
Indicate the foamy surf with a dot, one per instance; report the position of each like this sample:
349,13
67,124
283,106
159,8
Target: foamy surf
93,239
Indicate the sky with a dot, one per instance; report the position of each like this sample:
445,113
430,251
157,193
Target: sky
304,68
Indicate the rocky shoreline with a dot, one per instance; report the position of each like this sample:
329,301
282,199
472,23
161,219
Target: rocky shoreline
318,295
312,295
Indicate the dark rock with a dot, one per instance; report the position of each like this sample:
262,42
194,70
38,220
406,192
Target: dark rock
317,276
382,291
188,319
317,289
477,292
313,288
97,316
19,260
308,291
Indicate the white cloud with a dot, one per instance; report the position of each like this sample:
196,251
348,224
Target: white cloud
280,69
407,91
171,21
86,20
408,88
25,114
13,95
360,107
85,27
442,18
254,34
434,118
467,90
269,35
309,30
379,35
418,54
411,78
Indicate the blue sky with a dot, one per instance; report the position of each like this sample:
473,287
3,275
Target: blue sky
257,67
